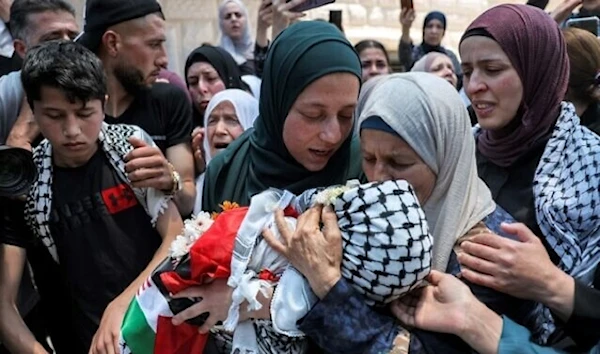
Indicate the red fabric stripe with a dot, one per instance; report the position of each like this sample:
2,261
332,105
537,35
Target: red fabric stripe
291,212
182,339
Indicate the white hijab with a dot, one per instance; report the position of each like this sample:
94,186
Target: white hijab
246,110
427,113
243,49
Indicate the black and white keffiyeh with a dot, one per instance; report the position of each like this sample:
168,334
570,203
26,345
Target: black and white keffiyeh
567,195
386,241
387,248
113,140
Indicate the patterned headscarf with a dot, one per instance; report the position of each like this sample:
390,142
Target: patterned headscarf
241,50
386,242
535,46
386,247
432,119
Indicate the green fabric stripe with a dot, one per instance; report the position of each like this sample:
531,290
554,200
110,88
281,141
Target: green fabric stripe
136,332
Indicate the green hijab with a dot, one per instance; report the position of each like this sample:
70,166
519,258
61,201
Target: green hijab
258,160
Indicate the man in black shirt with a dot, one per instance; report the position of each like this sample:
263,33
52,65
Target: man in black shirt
104,234
129,36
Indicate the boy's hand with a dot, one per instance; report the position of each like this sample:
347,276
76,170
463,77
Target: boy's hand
106,339
147,167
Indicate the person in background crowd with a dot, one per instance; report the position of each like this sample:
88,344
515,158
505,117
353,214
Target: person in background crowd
565,10
584,76
434,28
228,115
236,34
9,59
31,22
208,71
438,64
261,45
105,234
129,36
373,58
277,15
530,146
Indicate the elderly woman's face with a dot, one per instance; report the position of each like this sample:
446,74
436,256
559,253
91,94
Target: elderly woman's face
491,82
321,119
234,21
442,66
387,157
222,127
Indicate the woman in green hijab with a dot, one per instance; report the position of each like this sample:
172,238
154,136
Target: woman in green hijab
303,136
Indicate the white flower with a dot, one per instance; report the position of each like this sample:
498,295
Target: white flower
329,195
204,221
192,230
179,247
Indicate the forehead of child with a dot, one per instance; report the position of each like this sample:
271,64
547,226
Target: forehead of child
58,99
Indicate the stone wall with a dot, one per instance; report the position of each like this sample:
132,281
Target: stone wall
193,22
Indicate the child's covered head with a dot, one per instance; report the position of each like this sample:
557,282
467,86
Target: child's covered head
387,248
65,86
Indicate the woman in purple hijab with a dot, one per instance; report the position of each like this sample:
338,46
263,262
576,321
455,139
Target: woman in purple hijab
540,164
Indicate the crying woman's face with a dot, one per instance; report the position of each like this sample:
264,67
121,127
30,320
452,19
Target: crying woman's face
222,127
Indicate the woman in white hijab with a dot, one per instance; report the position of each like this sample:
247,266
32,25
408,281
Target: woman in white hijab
422,136
236,35
228,114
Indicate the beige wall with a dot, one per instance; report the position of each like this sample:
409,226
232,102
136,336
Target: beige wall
192,22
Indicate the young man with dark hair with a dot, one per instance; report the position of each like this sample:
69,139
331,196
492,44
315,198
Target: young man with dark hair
31,22
105,234
128,36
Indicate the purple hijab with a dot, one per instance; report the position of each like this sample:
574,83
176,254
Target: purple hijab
535,46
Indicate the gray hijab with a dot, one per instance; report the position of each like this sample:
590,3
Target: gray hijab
429,115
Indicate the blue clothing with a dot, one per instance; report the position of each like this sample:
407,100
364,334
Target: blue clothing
342,322
515,339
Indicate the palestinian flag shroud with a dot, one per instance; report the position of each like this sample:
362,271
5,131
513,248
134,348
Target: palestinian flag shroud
147,327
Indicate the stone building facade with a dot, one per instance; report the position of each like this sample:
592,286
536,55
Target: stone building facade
193,22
